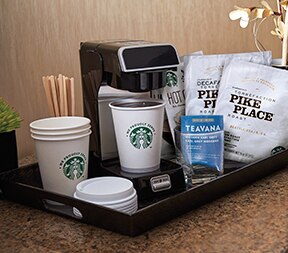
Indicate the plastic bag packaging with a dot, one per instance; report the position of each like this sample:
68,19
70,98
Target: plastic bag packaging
253,100
202,145
202,78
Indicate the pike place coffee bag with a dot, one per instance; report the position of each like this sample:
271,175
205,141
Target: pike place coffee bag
202,78
253,99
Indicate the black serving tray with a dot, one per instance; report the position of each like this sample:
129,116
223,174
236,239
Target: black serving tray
23,185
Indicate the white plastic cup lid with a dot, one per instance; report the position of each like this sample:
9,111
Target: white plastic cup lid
60,123
129,210
131,200
124,206
109,190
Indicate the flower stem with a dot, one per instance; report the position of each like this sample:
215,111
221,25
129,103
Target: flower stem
279,9
255,30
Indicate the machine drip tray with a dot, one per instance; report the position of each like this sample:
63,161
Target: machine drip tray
167,180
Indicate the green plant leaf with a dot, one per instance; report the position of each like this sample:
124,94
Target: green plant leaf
9,118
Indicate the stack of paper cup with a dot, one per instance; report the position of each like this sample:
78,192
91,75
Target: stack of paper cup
113,192
62,146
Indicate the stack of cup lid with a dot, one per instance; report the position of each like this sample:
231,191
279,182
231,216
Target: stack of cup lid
55,128
113,192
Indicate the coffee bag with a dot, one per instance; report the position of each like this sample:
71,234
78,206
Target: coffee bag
202,79
253,100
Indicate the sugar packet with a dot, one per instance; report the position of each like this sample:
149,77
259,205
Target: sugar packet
202,145
202,79
253,100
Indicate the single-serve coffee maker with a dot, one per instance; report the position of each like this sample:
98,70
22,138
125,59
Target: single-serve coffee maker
123,69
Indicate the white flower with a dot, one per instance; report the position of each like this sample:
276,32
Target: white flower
250,14
242,14
267,11
262,13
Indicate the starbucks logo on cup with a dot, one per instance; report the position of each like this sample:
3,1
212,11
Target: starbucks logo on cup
73,165
141,135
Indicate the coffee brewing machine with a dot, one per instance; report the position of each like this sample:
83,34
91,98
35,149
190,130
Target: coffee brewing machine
122,69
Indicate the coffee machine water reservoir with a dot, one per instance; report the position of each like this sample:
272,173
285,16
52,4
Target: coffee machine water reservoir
123,69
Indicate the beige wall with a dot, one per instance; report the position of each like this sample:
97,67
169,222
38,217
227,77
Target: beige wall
41,37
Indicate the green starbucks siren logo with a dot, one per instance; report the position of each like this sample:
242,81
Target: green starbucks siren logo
73,165
141,137
277,150
171,79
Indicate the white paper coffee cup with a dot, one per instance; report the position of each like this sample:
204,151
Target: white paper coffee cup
60,124
62,159
138,125
59,134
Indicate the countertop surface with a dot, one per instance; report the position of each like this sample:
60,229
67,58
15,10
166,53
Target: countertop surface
252,219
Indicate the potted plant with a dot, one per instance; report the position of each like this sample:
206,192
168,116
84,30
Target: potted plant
258,15
9,121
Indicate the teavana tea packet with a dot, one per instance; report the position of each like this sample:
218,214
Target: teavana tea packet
202,79
253,99
202,144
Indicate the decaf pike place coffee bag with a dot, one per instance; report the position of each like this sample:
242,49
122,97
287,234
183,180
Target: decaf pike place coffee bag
253,99
202,79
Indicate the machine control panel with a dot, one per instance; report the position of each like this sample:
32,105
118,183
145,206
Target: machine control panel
160,183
